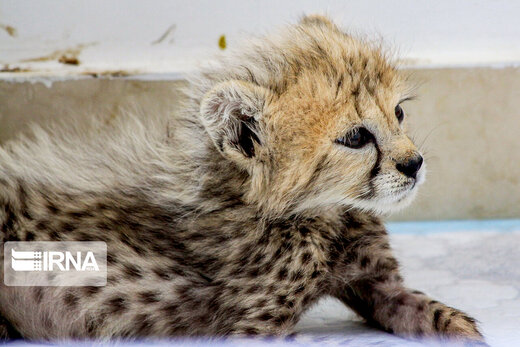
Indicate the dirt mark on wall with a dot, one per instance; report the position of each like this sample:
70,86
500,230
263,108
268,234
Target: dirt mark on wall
67,56
11,31
168,33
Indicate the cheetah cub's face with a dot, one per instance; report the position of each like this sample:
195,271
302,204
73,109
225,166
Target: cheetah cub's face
327,127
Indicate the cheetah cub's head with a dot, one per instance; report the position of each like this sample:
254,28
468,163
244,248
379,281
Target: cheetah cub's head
315,117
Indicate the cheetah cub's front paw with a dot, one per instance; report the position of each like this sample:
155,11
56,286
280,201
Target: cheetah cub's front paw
456,325
464,328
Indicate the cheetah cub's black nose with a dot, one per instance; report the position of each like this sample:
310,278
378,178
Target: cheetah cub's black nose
411,166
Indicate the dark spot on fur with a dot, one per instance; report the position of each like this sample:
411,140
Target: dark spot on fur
132,271
149,297
71,300
116,305
38,294
94,323
277,255
143,324
111,279
54,235
233,290
265,316
9,222
68,227
171,308
111,259
261,303
251,331
386,265
8,332
90,290
127,241
215,302
253,289
84,236
306,257
79,214
161,273
26,214
287,246
42,225
258,258
436,317
304,231
339,84
253,272
267,268
281,319
281,299
315,274
22,197
52,207
296,276
282,274
355,92
102,225
469,319
365,261
102,206
306,299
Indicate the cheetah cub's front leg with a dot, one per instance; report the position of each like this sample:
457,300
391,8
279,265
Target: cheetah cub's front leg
373,287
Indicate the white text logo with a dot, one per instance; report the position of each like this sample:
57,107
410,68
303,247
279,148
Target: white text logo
49,261
45,263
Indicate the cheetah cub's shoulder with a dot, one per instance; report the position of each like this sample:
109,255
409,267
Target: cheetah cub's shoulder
264,196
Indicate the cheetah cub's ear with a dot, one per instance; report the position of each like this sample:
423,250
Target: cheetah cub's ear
231,112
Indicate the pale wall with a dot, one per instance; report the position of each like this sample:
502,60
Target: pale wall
469,122
169,36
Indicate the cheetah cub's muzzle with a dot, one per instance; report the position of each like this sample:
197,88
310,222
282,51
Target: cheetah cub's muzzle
395,168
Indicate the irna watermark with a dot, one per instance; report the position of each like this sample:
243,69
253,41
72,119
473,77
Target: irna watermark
46,263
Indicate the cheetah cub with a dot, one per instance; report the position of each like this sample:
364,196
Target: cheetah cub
238,213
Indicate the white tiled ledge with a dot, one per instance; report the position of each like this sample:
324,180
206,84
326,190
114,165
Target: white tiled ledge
177,69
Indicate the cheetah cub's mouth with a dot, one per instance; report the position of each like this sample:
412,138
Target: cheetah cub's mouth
397,189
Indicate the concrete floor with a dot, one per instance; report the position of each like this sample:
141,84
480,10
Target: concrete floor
466,120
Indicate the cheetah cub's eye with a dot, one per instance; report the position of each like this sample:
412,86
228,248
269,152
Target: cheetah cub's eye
399,113
356,138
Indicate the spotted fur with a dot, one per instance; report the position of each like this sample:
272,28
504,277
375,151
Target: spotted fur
238,213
